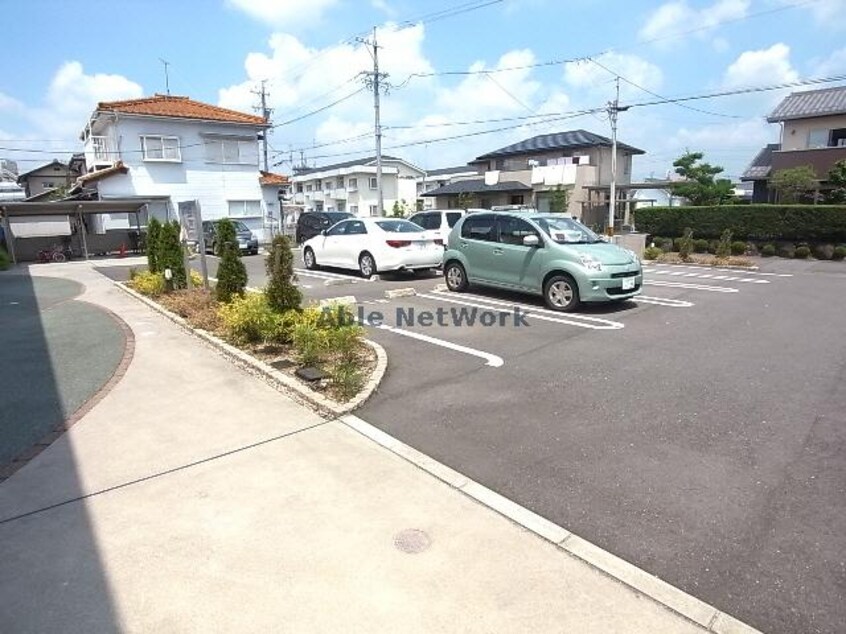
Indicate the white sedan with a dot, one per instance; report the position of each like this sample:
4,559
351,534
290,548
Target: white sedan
372,245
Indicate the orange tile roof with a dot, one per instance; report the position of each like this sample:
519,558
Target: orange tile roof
117,168
179,107
269,178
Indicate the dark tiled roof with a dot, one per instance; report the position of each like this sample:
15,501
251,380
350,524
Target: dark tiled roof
458,169
53,163
571,139
759,168
477,186
810,103
368,160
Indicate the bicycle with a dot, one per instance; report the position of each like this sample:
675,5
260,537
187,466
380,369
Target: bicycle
55,253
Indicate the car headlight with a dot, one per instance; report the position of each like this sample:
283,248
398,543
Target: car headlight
635,259
590,263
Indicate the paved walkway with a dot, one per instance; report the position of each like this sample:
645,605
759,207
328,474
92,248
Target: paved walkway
210,503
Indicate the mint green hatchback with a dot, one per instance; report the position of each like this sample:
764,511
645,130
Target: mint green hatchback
544,254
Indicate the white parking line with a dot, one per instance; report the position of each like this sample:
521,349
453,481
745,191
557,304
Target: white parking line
693,287
707,268
662,301
709,276
532,312
491,360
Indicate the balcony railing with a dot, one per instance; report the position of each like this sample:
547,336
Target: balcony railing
99,150
821,159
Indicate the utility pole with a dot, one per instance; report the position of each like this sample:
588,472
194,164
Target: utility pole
265,112
613,109
373,79
167,77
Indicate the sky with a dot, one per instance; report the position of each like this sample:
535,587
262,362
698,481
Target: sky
517,68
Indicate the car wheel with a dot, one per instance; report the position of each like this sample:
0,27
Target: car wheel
561,293
456,277
308,258
366,264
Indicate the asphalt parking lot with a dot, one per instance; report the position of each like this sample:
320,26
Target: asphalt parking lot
698,432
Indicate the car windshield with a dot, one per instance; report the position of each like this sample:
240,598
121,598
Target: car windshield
566,230
398,226
240,227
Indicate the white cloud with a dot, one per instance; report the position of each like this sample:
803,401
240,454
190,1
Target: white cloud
587,75
677,17
826,13
834,64
290,14
765,66
9,104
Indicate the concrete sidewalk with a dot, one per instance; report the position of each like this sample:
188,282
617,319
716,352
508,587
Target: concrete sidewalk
213,503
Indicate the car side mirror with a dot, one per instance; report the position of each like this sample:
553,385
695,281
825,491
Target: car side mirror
531,241
323,232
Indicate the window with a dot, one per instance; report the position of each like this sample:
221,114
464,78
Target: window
516,199
353,184
354,210
397,226
161,148
232,151
513,230
245,208
309,187
374,210
340,183
48,185
428,220
373,183
818,138
481,227
356,227
338,229
838,138
327,185
299,188
452,218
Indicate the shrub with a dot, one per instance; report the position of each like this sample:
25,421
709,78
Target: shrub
196,279
5,260
282,292
712,246
814,223
768,250
148,283
738,247
824,251
652,253
247,319
309,338
344,344
686,245
802,252
198,306
839,253
154,228
231,273
786,250
724,246
676,244
700,245
169,255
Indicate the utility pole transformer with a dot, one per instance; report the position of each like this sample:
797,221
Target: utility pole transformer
373,79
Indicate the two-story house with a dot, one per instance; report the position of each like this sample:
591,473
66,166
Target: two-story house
351,186
813,132
528,173
46,179
166,149
436,178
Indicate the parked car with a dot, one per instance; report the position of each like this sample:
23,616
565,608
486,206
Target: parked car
311,223
544,254
247,242
437,223
372,245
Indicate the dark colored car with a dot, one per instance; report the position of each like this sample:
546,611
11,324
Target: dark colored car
311,223
247,242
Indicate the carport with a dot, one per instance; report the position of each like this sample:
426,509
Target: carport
62,219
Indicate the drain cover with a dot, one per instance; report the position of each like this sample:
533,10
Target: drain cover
412,541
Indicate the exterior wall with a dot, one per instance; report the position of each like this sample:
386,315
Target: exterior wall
46,178
794,134
194,177
821,160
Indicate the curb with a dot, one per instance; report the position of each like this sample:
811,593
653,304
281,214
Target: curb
668,596
276,379
400,292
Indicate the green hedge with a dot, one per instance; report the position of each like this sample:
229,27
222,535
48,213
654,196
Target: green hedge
812,223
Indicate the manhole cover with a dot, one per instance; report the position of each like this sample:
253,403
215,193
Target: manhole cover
412,541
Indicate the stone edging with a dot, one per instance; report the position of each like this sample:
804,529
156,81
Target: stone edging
19,461
706,616
276,379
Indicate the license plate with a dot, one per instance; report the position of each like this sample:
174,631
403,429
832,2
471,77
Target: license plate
628,283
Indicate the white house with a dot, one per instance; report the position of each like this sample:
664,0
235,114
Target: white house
351,186
168,149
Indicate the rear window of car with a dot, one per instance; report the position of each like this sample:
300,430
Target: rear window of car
479,228
337,216
452,218
398,226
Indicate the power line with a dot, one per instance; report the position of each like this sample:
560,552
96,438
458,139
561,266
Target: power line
449,12
321,109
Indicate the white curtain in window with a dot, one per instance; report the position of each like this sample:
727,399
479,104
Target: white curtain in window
153,147
170,148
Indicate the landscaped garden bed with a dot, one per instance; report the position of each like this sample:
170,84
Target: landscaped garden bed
323,349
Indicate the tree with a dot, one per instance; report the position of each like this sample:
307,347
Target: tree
231,273
169,255
282,292
700,187
399,209
154,229
794,183
465,199
837,179
559,200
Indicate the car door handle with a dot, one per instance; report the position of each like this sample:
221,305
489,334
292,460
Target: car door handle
463,244
497,251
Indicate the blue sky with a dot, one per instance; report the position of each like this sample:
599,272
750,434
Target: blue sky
220,49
